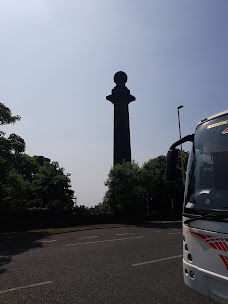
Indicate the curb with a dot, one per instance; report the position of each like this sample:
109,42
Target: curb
33,233
30,234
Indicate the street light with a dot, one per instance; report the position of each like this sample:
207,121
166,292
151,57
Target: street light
75,202
182,163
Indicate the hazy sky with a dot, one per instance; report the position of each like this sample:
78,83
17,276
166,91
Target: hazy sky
58,58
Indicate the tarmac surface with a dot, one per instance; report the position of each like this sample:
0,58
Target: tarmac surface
118,264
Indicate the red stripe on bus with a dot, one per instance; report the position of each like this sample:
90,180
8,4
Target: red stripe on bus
225,260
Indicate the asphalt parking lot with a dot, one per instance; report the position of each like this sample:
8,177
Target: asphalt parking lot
125,264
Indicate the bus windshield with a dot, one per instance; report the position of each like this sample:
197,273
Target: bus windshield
207,174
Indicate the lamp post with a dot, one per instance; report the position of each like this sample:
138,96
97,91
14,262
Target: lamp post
182,163
75,201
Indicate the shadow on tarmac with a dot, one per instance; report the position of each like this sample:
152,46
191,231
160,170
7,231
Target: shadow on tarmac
12,247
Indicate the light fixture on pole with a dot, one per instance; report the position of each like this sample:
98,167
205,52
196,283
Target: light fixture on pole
182,163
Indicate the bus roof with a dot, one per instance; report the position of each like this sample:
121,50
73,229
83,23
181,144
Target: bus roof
213,116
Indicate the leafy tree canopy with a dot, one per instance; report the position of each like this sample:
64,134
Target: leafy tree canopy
29,181
131,189
125,192
6,116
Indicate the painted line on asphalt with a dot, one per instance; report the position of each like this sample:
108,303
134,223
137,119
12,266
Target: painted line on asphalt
26,286
125,233
155,261
175,232
157,231
88,237
104,241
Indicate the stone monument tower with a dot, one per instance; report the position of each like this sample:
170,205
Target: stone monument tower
120,98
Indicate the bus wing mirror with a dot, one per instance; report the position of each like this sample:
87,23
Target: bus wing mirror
171,164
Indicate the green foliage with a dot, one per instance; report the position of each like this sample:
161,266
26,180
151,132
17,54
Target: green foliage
153,173
102,208
29,182
131,189
6,116
125,192
12,144
51,185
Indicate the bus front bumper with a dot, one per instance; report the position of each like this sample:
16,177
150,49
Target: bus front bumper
207,283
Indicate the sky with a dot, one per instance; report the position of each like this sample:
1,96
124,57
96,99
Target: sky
58,59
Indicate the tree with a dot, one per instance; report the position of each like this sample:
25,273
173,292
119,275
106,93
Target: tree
8,147
51,185
13,143
154,184
6,116
27,181
125,193
15,191
131,188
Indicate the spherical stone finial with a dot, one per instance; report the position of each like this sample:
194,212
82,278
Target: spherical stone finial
120,78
